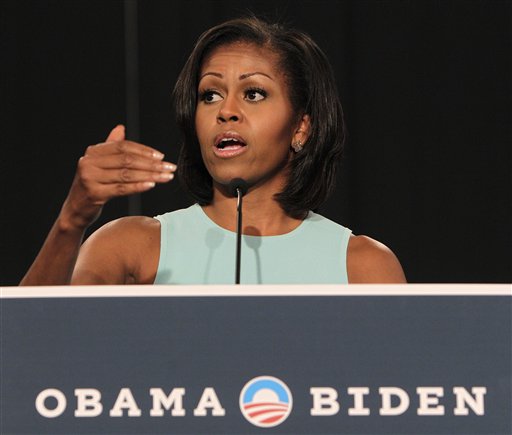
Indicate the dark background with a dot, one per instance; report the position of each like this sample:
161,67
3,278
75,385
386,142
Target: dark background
425,85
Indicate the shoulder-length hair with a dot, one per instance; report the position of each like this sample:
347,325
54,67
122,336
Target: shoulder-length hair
311,89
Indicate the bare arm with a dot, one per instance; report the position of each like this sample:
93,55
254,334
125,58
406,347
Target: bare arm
124,251
55,261
371,262
114,168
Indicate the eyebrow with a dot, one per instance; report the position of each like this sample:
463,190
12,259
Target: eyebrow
242,77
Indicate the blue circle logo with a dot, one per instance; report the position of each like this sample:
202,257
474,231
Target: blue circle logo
266,401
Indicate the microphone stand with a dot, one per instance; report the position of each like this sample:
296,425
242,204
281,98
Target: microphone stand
238,234
238,187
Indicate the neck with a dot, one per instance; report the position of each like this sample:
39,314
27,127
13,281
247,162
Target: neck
262,214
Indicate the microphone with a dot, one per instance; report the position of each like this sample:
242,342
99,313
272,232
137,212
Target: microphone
238,183
238,187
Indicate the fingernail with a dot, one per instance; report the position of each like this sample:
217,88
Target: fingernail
169,166
166,176
149,184
157,155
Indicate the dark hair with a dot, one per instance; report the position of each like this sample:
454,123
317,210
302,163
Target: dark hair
311,89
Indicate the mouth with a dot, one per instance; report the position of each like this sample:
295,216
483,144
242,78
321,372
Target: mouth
229,144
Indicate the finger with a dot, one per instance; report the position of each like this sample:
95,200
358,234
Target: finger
130,176
130,161
123,147
117,133
108,191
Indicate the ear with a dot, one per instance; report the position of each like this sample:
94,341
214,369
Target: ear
303,130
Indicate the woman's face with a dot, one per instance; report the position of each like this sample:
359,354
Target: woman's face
244,120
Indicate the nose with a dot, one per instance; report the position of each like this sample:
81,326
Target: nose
229,111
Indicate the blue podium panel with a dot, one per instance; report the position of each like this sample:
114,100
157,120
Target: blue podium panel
417,359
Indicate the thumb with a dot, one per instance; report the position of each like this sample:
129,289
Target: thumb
117,133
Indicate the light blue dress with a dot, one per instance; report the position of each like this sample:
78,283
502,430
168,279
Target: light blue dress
195,250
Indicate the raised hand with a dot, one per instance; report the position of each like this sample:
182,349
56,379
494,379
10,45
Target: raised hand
116,167
113,168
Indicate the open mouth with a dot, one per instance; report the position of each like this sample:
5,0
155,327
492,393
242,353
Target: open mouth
230,143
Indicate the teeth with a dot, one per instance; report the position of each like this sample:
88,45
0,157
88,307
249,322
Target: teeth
224,141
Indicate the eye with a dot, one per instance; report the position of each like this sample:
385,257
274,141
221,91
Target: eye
210,96
255,94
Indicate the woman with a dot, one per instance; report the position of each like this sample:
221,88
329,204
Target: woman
254,101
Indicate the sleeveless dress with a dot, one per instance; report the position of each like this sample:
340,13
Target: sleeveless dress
195,250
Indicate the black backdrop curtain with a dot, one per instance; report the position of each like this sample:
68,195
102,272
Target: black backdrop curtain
425,85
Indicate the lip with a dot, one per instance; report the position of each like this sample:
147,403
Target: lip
228,135
228,153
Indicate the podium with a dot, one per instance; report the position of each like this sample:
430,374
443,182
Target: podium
356,359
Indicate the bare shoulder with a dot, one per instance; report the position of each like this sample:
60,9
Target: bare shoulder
124,251
369,261
133,227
